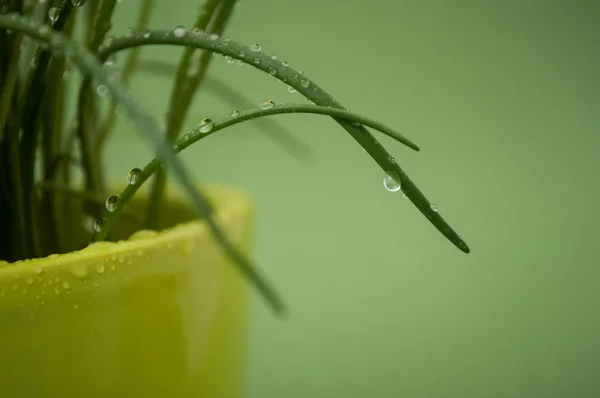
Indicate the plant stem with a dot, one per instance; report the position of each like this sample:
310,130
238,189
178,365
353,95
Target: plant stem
86,115
181,98
128,68
29,107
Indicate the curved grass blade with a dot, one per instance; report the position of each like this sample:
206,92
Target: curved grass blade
207,128
283,72
88,64
293,145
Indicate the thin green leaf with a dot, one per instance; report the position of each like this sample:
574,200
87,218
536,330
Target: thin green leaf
130,64
213,19
29,111
283,72
207,127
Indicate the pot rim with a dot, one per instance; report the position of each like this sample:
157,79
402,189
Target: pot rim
229,203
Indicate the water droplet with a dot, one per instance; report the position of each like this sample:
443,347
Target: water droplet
111,203
56,291
291,89
267,104
53,14
77,3
229,59
214,36
256,60
391,181
433,207
147,34
121,259
305,83
272,71
112,267
38,270
234,113
102,90
187,136
255,47
284,64
205,126
30,281
98,224
65,285
100,268
80,271
110,60
392,160
180,31
76,307
133,175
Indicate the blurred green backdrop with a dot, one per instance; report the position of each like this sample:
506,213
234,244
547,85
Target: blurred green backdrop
504,99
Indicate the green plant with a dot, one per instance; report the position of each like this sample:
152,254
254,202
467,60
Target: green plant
38,39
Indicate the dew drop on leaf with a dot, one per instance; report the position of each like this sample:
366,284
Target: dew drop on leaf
133,175
98,223
206,125
391,181
255,47
102,90
53,14
267,104
77,3
111,203
180,31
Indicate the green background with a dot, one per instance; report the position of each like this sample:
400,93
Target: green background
504,99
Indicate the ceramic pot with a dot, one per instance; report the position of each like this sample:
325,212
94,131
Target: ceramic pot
158,314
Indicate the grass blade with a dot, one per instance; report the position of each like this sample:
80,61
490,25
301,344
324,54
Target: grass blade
283,72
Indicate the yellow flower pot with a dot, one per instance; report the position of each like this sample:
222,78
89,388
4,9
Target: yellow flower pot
157,315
